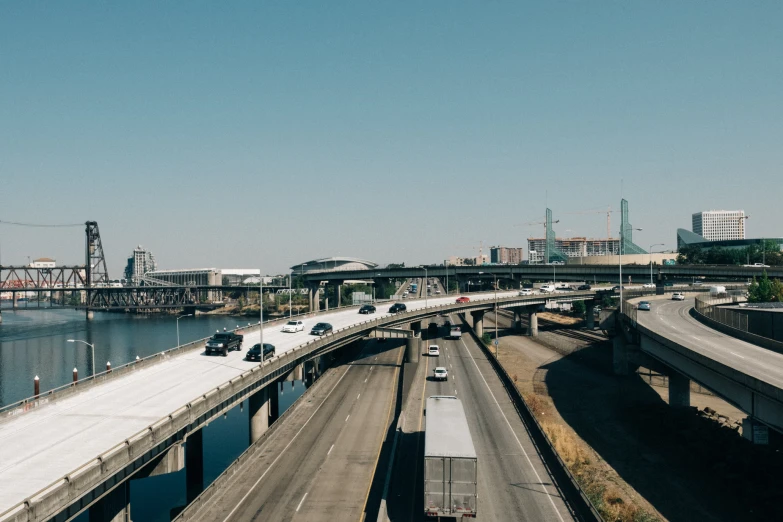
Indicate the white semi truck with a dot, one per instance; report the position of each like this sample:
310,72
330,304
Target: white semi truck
455,332
450,463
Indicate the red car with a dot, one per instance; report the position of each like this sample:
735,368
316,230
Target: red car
463,299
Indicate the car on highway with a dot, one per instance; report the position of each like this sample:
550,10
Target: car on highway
367,309
254,354
321,329
526,291
668,283
293,327
223,343
434,350
584,287
463,299
648,285
644,305
678,296
440,374
547,289
397,307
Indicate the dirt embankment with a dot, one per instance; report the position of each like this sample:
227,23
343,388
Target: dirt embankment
637,458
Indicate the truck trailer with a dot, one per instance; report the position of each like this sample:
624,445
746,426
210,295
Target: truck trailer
450,463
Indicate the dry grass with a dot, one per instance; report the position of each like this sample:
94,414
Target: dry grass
560,319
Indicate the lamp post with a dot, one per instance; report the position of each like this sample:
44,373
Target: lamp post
178,318
92,346
424,286
621,265
650,251
261,310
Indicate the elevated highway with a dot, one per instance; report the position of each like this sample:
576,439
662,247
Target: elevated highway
746,375
61,454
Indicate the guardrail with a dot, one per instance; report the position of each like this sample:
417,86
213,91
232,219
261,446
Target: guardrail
154,439
731,318
564,479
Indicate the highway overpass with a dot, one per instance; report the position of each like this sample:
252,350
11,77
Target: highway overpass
63,453
744,374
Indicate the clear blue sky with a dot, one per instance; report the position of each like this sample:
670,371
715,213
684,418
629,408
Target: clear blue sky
250,134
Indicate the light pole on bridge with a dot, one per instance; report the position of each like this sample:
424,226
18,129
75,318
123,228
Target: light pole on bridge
92,346
178,318
650,251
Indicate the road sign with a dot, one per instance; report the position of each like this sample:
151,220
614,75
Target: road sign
760,434
497,342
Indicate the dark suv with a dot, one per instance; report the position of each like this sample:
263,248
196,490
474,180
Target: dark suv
397,307
254,354
367,309
584,287
321,329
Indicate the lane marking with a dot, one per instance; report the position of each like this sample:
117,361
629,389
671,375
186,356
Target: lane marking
346,419
527,457
357,397
300,502
735,353
286,447
330,450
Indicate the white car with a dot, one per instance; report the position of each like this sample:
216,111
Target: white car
526,291
648,285
440,374
293,327
547,289
434,350
678,296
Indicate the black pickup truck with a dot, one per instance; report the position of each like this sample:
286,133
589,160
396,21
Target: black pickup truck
223,343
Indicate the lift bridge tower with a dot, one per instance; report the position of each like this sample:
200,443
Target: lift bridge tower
95,271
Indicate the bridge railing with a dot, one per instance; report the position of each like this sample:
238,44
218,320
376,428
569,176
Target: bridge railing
711,309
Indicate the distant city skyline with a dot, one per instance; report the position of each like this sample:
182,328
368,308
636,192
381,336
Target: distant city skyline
259,135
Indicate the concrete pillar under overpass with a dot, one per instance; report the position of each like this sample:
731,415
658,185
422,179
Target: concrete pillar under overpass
590,314
274,403
416,327
258,413
679,390
517,326
413,349
114,506
532,322
194,465
478,322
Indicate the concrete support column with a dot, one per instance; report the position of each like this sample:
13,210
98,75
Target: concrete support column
478,323
274,403
194,465
590,315
413,349
113,507
338,289
532,323
517,326
416,327
258,413
679,390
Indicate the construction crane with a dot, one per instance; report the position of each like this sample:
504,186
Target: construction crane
608,213
531,223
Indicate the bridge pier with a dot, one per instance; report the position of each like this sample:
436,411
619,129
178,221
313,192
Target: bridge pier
517,326
274,402
478,322
258,413
416,328
532,322
590,315
90,315
114,506
679,390
194,465
413,349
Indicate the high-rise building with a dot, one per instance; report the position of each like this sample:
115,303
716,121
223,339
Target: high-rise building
506,255
572,247
719,225
139,263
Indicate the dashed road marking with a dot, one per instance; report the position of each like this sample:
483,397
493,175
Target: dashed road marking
300,502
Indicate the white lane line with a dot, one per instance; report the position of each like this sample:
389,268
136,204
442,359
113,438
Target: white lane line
357,397
300,502
370,368
538,477
330,450
365,380
286,447
346,419
735,353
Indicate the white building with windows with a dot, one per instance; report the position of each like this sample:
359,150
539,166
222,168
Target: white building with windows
719,225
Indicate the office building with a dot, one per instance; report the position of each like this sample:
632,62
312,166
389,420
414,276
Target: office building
139,263
506,255
719,225
572,247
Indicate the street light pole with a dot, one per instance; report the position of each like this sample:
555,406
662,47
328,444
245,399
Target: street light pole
424,287
92,346
651,247
178,318
261,310
621,265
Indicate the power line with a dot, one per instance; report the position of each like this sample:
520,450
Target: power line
38,225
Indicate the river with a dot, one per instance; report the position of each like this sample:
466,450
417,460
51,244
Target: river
34,342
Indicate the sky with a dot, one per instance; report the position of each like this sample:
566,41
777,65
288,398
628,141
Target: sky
264,134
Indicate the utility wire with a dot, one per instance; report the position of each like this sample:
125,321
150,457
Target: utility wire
39,225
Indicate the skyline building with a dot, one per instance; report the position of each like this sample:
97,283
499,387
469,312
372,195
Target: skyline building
719,225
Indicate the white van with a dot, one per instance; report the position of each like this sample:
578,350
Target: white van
547,289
